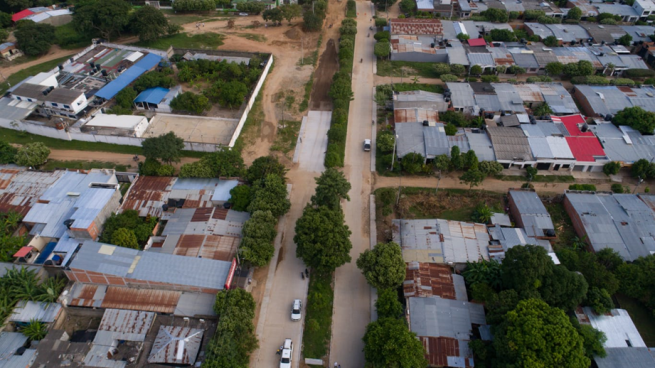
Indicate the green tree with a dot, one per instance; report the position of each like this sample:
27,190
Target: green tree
263,166
270,194
7,153
387,304
32,154
542,110
490,168
535,333
383,267
275,15
637,118
226,162
473,177
258,235
196,169
551,41
482,213
470,160
240,197
456,158
593,340
385,141
463,37
389,343
642,168
331,188
184,6
322,239
612,168
585,68
34,38
448,78
524,268
625,40
457,69
563,288
166,147
149,23
407,6
504,35
476,70
495,15
574,13
312,22
290,11
599,299
555,68
254,7
530,172
486,272
35,330
125,238
412,162
190,102
516,70
4,35
107,18
125,98
382,49
450,129
5,20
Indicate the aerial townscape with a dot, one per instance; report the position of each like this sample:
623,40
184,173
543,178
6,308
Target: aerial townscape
223,184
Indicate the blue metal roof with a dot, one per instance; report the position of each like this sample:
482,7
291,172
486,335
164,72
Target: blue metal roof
152,95
110,90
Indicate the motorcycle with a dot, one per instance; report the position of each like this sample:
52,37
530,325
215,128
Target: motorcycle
361,60
302,274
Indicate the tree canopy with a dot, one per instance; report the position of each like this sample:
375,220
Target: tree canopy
637,118
270,194
525,267
34,38
331,188
32,154
166,147
7,153
389,343
263,166
387,304
149,23
322,238
537,334
106,18
257,238
383,267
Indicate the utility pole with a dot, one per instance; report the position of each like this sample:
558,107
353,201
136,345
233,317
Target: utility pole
438,181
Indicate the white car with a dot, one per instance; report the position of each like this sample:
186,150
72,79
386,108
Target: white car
243,14
287,354
367,145
296,313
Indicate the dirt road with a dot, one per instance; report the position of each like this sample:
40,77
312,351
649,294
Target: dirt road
118,158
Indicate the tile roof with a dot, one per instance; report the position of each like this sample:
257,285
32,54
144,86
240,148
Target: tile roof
412,26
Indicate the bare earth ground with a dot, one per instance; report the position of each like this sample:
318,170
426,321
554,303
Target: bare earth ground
328,65
118,158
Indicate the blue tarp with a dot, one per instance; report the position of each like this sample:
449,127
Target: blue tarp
110,90
152,95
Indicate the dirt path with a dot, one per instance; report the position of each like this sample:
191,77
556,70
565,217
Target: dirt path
117,158
55,53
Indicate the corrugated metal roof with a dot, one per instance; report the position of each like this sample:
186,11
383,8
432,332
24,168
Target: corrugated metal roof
618,328
510,144
413,26
20,361
9,343
482,59
480,143
440,351
20,189
431,279
461,94
145,64
25,311
618,9
626,357
176,345
414,115
437,317
119,324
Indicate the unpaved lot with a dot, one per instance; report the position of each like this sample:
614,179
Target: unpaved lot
327,66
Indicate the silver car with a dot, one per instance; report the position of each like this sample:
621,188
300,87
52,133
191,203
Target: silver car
296,313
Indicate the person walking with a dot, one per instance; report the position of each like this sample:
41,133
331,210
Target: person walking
336,365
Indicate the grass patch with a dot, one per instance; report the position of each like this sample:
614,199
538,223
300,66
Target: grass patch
403,87
253,125
318,320
28,72
388,68
540,178
642,317
184,41
14,136
67,37
308,91
563,225
286,137
83,165
252,37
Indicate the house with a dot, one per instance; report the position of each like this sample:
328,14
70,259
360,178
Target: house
554,94
639,33
13,352
9,52
511,147
530,214
77,204
157,99
627,13
417,48
624,346
644,8
601,101
587,8
622,222
504,238
462,98
21,188
604,33
441,241
445,327
424,279
53,101
104,264
418,106
123,125
589,154
415,27
624,144
143,65
176,345
21,14
549,146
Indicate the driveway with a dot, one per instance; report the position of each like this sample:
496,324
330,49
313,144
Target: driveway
352,308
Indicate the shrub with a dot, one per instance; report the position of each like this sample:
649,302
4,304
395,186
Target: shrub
588,187
448,78
617,188
622,82
380,22
382,35
612,168
639,73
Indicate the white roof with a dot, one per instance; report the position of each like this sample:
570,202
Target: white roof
134,56
618,327
116,121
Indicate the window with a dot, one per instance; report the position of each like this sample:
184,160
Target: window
54,104
19,99
66,107
29,99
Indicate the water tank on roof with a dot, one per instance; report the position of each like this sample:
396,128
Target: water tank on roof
426,123
180,203
227,205
584,127
60,66
69,222
172,203
164,207
608,117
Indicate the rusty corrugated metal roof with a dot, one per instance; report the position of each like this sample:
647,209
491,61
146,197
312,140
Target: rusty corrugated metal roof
126,322
415,115
148,194
414,26
20,189
161,301
438,349
216,247
428,279
202,214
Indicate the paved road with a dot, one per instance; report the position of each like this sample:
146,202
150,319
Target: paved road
284,283
352,310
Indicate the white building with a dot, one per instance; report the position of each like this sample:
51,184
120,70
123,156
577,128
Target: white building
132,125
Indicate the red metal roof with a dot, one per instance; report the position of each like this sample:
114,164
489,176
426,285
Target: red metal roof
477,42
585,148
572,124
21,14
429,279
22,252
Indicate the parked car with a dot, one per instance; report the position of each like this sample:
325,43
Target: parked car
243,14
287,354
367,145
296,310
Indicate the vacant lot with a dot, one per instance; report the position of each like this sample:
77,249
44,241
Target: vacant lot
209,41
328,65
641,316
407,69
563,226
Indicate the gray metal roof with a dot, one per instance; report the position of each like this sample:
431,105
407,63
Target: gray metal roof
618,327
457,54
568,32
525,60
618,9
482,59
480,143
623,144
410,139
509,98
532,211
63,95
34,91
635,357
121,324
539,29
437,317
150,266
436,141
11,109
639,33
604,99
176,345
195,305
603,32
25,311
9,343
461,94
510,144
